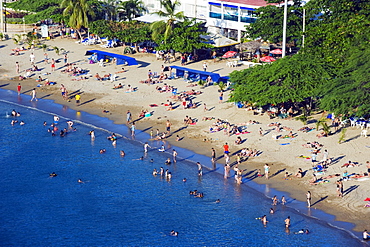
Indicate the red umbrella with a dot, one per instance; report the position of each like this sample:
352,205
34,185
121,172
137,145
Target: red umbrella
276,51
268,59
367,199
229,54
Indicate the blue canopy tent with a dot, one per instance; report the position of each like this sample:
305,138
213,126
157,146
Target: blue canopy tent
120,59
195,74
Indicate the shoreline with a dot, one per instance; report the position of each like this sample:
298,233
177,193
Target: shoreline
97,102
261,188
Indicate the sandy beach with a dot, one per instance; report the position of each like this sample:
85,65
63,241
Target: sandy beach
283,155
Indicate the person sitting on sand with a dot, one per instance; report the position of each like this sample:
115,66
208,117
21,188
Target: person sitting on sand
238,140
290,135
161,137
97,77
39,79
299,174
321,134
35,68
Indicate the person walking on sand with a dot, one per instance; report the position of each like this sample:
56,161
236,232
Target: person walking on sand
17,68
205,66
308,196
133,129
32,58
221,97
33,94
65,58
128,116
78,98
267,170
19,87
168,126
52,64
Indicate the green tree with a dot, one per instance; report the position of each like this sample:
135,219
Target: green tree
131,9
292,79
269,25
110,9
349,92
336,27
78,12
165,27
134,32
185,37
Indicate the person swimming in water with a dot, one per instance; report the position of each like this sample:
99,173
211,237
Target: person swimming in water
155,172
168,161
173,233
122,153
53,174
102,151
162,149
218,201
302,231
80,181
264,220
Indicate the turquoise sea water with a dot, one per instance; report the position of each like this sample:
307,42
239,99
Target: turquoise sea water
120,202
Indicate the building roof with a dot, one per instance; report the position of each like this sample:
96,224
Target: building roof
257,3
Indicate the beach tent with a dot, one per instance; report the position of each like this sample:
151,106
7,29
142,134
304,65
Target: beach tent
120,59
218,40
192,73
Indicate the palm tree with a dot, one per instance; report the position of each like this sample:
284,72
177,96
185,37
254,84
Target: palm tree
132,9
165,27
78,11
110,9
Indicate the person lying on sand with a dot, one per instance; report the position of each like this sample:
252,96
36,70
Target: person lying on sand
121,71
118,86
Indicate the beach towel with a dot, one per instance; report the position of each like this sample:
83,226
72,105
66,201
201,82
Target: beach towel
245,132
304,157
193,123
283,144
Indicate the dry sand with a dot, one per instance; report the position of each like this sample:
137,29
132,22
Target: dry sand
97,96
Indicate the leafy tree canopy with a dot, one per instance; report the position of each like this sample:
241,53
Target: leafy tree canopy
185,37
349,93
127,31
336,28
290,79
269,25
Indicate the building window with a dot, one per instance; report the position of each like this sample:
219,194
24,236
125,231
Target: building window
230,12
247,15
215,10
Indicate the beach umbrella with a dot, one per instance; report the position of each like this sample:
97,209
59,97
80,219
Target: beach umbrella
229,54
268,59
276,52
367,199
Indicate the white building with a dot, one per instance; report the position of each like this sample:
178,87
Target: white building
227,18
